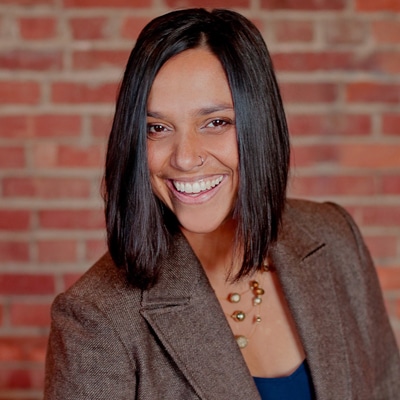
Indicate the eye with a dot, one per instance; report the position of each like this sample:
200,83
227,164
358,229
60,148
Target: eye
216,123
155,128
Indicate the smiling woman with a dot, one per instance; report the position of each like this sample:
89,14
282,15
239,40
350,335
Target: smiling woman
216,286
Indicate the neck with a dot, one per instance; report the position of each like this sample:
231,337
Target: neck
216,251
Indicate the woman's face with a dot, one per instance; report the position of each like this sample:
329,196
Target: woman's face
192,146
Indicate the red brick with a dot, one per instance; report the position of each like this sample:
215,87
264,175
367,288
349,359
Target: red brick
329,124
14,126
40,126
71,219
293,31
23,348
70,279
14,251
56,125
369,92
107,3
380,215
72,156
391,124
28,2
313,5
389,278
314,155
259,23
94,249
309,92
39,28
19,92
96,59
101,126
90,28
14,220
53,155
26,284
333,185
36,60
383,61
56,251
72,92
386,31
46,188
310,62
30,314
45,154
25,378
382,246
373,5
1,315
345,31
391,184
132,26
370,155
207,3
12,157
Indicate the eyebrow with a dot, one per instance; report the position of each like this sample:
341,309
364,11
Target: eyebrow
201,112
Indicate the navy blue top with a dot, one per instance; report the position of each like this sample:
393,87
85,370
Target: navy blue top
297,386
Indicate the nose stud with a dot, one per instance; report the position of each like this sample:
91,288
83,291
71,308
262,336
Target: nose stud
201,161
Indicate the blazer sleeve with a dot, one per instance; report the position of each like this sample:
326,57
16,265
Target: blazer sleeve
383,349
85,357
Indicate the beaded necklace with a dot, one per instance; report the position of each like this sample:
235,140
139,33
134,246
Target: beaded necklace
239,315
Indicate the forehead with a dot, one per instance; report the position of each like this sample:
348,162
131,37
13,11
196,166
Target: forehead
192,77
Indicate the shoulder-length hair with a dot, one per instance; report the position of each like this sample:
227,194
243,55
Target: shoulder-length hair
139,227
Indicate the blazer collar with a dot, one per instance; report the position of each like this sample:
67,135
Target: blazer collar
185,314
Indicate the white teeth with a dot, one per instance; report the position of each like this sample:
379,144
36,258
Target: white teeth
197,187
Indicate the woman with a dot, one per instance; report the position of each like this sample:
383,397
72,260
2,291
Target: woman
215,285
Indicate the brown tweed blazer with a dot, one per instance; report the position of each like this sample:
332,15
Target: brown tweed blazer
172,342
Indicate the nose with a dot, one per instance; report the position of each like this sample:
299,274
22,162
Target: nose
187,154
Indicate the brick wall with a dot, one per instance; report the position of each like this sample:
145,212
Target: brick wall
60,64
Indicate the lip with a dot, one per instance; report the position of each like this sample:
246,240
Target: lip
195,198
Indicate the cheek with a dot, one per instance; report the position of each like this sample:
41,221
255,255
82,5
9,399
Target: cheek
153,160
158,155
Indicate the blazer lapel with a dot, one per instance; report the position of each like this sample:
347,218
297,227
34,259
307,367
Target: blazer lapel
186,316
306,278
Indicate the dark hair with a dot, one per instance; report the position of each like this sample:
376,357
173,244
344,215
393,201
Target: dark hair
139,227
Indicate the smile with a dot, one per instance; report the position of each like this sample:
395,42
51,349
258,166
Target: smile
198,186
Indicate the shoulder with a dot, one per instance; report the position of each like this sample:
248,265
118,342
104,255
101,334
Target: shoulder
320,218
102,277
103,292
315,212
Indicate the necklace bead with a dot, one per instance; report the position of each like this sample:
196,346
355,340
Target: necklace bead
242,341
239,316
257,301
234,297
